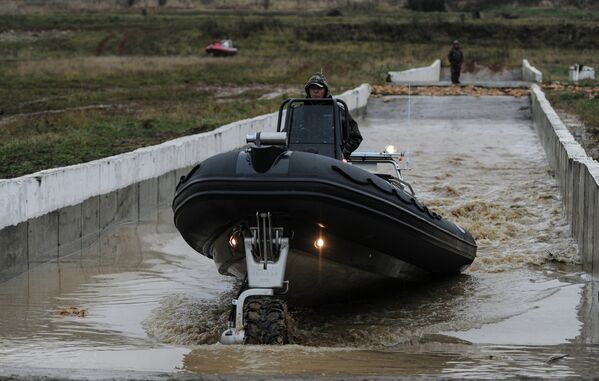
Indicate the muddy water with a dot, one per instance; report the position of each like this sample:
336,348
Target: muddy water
523,309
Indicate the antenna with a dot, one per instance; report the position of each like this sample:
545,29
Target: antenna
407,154
409,105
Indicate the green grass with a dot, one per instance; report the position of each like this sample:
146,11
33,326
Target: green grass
577,103
152,74
73,137
536,13
583,102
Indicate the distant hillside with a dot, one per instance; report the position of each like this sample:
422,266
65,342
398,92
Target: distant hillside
288,5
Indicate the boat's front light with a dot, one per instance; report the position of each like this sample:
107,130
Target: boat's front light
390,149
319,243
234,240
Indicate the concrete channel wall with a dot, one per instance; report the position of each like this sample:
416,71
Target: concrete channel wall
577,176
56,212
430,73
531,73
434,73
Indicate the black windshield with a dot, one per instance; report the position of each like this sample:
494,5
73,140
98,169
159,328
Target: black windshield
312,124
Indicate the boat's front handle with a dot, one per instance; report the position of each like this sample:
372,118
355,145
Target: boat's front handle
267,138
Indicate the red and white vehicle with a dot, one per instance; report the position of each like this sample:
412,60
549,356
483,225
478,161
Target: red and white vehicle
221,48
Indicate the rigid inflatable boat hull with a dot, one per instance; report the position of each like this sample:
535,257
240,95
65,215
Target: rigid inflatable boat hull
367,224
340,269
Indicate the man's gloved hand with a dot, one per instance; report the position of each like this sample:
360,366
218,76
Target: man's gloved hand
346,153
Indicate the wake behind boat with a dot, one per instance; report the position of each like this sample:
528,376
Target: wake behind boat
289,216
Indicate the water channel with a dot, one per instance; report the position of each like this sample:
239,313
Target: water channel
524,308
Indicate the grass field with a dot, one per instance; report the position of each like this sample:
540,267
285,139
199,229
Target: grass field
581,101
78,86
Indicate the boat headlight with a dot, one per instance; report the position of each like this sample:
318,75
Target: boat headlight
319,243
235,239
390,149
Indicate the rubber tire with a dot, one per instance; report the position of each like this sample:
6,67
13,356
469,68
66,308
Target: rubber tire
265,321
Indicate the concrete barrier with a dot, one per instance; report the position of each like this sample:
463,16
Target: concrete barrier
577,176
589,313
430,73
56,212
578,73
531,73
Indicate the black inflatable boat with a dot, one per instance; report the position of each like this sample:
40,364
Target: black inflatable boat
288,200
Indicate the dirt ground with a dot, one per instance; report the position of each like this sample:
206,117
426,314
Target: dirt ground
587,136
469,90
591,92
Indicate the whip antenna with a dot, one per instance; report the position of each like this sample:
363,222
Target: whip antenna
409,104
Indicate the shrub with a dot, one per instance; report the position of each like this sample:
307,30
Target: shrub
427,5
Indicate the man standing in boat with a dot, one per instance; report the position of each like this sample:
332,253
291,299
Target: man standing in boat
317,87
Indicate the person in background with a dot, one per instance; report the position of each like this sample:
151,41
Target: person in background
456,57
317,87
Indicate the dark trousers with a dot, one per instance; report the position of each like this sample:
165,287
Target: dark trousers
455,73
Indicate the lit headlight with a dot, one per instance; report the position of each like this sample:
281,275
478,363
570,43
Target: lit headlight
233,241
319,243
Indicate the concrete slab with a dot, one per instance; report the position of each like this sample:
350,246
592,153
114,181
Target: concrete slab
91,252
70,225
166,221
564,136
577,196
531,73
483,73
592,217
591,196
166,193
148,200
430,73
90,224
43,282
13,251
108,246
108,210
579,204
590,310
120,248
166,189
43,238
578,186
567,153
128,204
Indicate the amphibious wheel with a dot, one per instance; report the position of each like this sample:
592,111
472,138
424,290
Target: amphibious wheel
265,321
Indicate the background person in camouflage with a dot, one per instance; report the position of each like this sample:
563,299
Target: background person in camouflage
455,57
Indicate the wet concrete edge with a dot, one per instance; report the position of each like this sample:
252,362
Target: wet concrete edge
66,231
577,176
15,374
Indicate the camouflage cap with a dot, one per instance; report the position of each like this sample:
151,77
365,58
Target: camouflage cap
317,79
